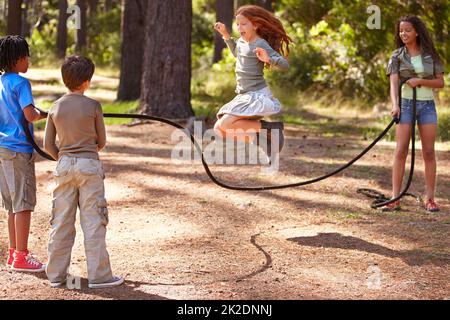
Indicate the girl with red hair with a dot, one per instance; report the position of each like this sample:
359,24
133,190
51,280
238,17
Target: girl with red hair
263,43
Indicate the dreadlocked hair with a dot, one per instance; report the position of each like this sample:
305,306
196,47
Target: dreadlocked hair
269,27
12,49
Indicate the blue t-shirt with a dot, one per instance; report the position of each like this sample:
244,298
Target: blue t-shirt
15,95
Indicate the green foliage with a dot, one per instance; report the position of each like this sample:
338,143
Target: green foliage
306,12
43,45
444,124
335,59
2,27
202,39
347,54
305,61
213,87
104,43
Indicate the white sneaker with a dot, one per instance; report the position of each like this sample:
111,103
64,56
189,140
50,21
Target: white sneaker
57,284
115,281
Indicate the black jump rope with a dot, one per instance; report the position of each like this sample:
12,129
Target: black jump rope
380,199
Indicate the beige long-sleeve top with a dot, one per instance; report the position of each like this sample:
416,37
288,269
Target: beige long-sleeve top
77,121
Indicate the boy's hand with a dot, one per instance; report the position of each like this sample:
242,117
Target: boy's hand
222,29
262,54
42,114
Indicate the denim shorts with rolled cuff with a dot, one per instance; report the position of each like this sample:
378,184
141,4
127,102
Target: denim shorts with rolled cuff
425,112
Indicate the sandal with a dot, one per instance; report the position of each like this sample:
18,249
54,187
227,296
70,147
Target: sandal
391,207
431,206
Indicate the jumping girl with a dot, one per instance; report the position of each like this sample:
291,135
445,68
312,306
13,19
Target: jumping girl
415,58
263,43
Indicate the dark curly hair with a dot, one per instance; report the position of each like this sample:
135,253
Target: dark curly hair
12,49
424,39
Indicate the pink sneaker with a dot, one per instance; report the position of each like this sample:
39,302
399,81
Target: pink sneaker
25,262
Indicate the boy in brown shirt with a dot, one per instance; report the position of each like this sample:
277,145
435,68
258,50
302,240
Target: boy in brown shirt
78,122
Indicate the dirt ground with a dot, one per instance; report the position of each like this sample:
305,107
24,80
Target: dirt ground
176,235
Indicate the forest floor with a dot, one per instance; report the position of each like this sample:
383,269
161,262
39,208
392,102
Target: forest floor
175,235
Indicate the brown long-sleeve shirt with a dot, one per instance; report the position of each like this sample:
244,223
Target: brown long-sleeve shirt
78,122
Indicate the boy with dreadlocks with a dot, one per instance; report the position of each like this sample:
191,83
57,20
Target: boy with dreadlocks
17,175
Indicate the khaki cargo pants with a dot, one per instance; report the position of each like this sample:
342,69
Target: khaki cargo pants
79,183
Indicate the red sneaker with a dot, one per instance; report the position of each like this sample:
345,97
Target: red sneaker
25,262
10,257
431,206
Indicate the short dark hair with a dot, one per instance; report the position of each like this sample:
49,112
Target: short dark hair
12,49
76,70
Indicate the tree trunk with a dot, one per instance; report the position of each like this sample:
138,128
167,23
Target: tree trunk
167,59
224,14
61,39
26,27
93,6
108,5
132,49
14,23
82,32
5,10
266,4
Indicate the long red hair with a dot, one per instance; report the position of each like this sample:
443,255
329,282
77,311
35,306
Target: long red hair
268,26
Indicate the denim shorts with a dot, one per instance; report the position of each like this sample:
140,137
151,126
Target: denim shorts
425,111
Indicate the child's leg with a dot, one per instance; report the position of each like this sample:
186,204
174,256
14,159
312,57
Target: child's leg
239,128
18,188
403,135
94,219
62,235
5,163
428,137
22,229
12,230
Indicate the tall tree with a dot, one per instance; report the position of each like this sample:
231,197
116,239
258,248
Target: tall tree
132,49
93,6
26,27
61,39
166,79
108,5
224,14
81,40
14,23
5,10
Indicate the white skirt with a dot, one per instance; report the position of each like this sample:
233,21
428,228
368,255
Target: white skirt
254,103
